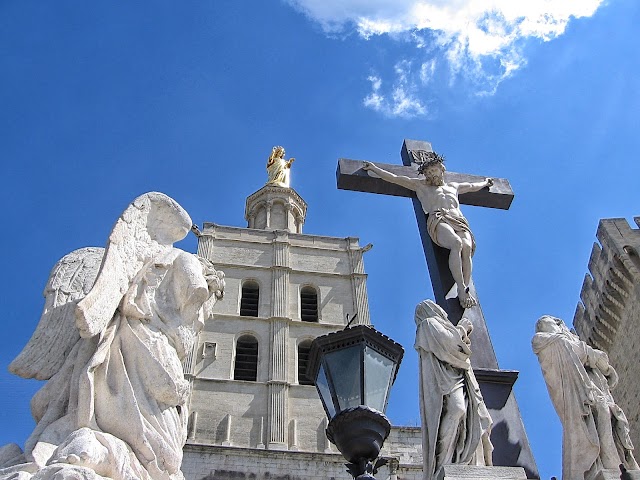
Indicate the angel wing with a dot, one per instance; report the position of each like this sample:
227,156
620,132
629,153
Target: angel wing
56,334
148,227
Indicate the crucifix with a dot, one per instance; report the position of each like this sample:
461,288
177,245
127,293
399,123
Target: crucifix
399,180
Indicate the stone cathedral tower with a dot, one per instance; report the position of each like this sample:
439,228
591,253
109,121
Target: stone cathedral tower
253,413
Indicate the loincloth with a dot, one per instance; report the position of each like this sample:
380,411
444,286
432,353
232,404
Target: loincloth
458,223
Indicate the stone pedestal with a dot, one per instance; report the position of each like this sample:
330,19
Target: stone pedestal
472,472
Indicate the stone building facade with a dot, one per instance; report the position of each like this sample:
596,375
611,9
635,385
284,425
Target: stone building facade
253,413
608,315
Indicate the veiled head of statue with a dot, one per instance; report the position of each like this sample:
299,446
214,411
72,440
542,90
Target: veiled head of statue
428,309
549,324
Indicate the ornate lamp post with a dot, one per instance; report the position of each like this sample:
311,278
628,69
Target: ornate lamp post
353,371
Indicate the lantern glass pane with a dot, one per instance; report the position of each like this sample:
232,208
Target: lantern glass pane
377,376
345,368
322,385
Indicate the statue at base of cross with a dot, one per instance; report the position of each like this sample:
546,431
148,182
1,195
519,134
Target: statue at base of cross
447,226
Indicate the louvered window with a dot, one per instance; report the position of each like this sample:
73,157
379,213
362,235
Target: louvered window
246,366
250,299
303,361
308,304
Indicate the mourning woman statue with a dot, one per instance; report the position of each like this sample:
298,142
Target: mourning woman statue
579,379
456,424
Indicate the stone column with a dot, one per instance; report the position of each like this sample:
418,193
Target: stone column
268,213
206,245
358,282
227,431
251,216
278,400
293,440
280,275
279,333
327,443
192,425
288,215
261,434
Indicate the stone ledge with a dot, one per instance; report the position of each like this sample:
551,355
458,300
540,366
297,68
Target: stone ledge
275,455
472,472
614,474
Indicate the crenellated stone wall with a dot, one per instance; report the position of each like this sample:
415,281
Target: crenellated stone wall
608,315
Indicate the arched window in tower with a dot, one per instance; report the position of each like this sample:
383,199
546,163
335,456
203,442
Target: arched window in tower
246,365
303,360
308,304
250,299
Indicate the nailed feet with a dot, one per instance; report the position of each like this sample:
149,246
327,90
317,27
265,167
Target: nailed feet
466,299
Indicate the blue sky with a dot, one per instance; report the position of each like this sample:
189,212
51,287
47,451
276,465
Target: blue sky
102,101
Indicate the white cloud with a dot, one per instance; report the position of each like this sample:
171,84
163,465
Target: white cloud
479,40
402,100
427,70
374,99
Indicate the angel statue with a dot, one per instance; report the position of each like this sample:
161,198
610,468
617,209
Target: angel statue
116,325
279,169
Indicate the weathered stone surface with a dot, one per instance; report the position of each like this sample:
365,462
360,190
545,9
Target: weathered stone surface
114,405
15,475
10,454
614,474
67,472
472,472
205,462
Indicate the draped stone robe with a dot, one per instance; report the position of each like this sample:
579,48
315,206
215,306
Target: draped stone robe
578,391
445,367
127,384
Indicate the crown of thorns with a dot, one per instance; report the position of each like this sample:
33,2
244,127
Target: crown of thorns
426,159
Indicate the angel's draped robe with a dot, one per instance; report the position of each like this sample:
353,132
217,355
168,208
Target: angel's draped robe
128,382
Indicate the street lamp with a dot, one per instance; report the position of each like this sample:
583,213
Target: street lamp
353,370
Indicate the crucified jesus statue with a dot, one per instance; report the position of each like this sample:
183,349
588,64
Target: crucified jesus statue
446,224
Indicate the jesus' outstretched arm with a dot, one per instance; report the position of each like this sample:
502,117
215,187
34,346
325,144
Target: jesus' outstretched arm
390,177
474,186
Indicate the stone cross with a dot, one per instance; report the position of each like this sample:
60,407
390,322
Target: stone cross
496,384
351,176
